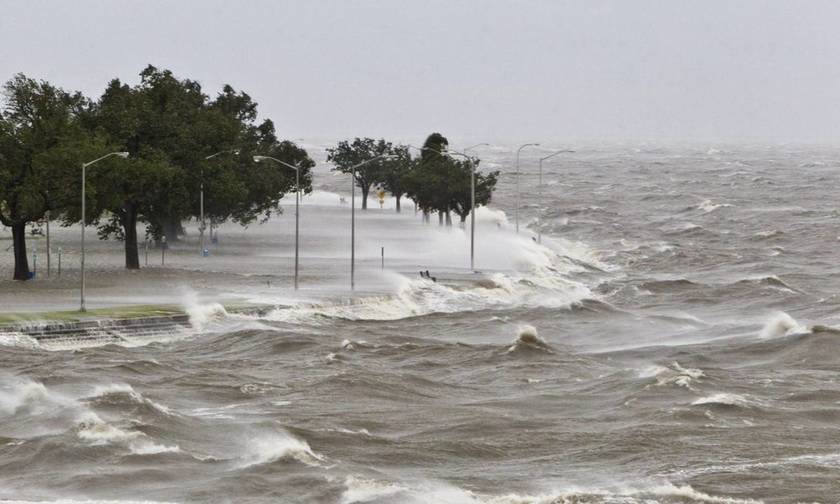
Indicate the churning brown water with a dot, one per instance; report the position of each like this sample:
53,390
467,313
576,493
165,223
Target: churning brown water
670,341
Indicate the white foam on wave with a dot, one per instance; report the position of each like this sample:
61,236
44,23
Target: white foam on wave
361,490
521,272
726,399
708,206
271,447
97,432
781,324
527,337
674,374
22,394
416,297
126,389
201,314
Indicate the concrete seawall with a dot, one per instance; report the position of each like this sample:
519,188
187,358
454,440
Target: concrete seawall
99,331
102,330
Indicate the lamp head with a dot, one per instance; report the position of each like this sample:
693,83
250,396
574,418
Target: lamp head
123,155
257,159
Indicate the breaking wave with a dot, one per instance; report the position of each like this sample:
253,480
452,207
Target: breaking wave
417,297
271,447
28,400
727,399
360,490
672,375
529,340
780,325
708,206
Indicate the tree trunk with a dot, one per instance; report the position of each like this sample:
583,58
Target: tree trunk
19,243
448,219
365,191
398,196
425,216
132,257
440,218
172,229
464,217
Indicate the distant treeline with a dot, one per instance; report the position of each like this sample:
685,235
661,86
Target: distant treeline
178,138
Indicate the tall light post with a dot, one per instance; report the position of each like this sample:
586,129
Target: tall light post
203,224
472,204
471,165
518,193
353,214
297,206
84,218
540,194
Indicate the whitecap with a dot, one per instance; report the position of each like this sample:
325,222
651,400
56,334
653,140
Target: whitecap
726,399
267,448
781,324
101,391
97,432
674,374
528,338
708,206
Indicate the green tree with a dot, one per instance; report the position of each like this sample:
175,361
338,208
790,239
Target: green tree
430,183
485,184
395,171
348,154
39,127
169,127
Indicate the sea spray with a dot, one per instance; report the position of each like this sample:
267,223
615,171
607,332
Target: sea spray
527,338
779,325
201,314
264,448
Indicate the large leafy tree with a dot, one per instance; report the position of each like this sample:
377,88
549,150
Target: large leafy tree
170,127
461,188
430,183
40,142
441,183
395,172
346,154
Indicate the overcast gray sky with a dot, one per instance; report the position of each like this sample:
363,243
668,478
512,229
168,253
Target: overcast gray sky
476,70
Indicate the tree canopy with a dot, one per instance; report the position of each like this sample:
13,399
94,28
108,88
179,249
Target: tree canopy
40,130
347,154
169,127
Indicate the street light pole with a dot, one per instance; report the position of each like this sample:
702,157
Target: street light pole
203,225
353,214
84,219
297,207
518,193
472,204
540,194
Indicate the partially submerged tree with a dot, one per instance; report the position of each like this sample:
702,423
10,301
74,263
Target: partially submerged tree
395,172
348,154
429,184
485,184
441,183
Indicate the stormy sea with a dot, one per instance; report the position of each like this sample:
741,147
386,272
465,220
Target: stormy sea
671,337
